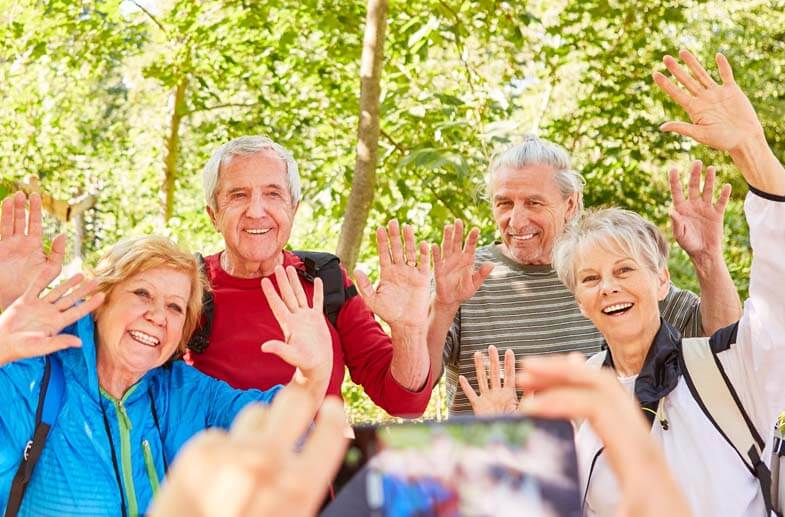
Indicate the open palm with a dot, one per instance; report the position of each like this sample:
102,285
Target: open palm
21,249
721,114
696,219
496,397
402,295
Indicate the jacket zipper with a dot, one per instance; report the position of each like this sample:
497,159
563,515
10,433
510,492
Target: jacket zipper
126,466
150,464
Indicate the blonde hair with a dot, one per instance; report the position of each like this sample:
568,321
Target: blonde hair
138,254
610,228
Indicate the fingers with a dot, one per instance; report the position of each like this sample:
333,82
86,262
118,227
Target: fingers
7,218
479,276
279,308
677,225
683,128
383,247
325,447
396,252
493,368
62,288
77,312
681,75
34,216
318,294
285,288
676,193
409,244
289,416
282,350
41,281
539,373
722,201
509,368
726,72
697,69
470,248
296,286
80,291
19,213
708,185
423,261
673,91
457,240
36,344
482,381
436,252
447,238
694,183
468,390
363,283
57,252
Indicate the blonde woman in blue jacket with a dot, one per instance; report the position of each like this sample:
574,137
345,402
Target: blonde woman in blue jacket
129,405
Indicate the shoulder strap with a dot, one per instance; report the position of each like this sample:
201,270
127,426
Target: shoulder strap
201,336
327,267
50,400
719,401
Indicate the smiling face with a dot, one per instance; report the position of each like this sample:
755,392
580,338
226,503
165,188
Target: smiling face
618,293
254,213
530,212
141,323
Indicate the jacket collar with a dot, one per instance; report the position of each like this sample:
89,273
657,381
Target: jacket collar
661,370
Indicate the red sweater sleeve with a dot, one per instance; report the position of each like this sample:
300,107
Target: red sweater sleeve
368,353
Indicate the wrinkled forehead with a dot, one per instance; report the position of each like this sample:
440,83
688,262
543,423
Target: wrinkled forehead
164,280
532,180
261,167
603,248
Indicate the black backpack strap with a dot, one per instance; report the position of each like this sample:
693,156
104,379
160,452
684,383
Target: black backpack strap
201,336
50,401
327,267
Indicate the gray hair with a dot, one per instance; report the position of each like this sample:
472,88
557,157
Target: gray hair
535,151
243,146
610,228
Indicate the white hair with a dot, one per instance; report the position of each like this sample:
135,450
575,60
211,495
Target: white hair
612,229
535,151
243,146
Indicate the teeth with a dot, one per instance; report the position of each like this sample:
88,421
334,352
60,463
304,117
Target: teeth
525,237
143,338
617,307
254,231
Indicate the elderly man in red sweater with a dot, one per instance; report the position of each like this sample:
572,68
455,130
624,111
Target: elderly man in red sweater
252,190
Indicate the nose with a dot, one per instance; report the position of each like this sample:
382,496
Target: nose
156,314
520,216
609,285
256,206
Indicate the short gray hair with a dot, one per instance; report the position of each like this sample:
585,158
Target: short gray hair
535,151
610,228
243,146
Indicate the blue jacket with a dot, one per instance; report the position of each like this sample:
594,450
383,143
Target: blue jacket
74,475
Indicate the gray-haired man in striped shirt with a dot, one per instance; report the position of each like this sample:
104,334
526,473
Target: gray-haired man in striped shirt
507,294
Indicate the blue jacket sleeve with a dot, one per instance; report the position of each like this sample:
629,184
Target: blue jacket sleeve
20,384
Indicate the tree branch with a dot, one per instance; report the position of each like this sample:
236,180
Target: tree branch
150,15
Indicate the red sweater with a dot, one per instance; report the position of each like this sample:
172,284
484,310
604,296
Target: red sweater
243,321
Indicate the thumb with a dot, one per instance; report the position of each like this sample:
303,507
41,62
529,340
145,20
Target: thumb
683,128
482,273
363,283
282,350
35,344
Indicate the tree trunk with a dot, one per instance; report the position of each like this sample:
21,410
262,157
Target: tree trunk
364,180
173,148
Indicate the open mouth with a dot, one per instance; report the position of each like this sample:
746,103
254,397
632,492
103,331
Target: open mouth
257,231
523,237
617,309
143,338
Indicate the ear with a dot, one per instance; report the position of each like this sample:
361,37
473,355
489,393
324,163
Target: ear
211,215
663,283
572,206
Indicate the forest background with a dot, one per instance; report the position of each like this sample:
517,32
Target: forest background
114,106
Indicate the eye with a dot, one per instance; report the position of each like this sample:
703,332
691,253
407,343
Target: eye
237,195
535,203
503,204
625,269
589,278
142,293
176,308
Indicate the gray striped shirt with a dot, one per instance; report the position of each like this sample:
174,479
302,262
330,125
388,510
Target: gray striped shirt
529,310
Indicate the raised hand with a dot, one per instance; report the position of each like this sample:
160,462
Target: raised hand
696,219
401,297
257,469
453,266
496,397
30,326
722,116
307,343
21,250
